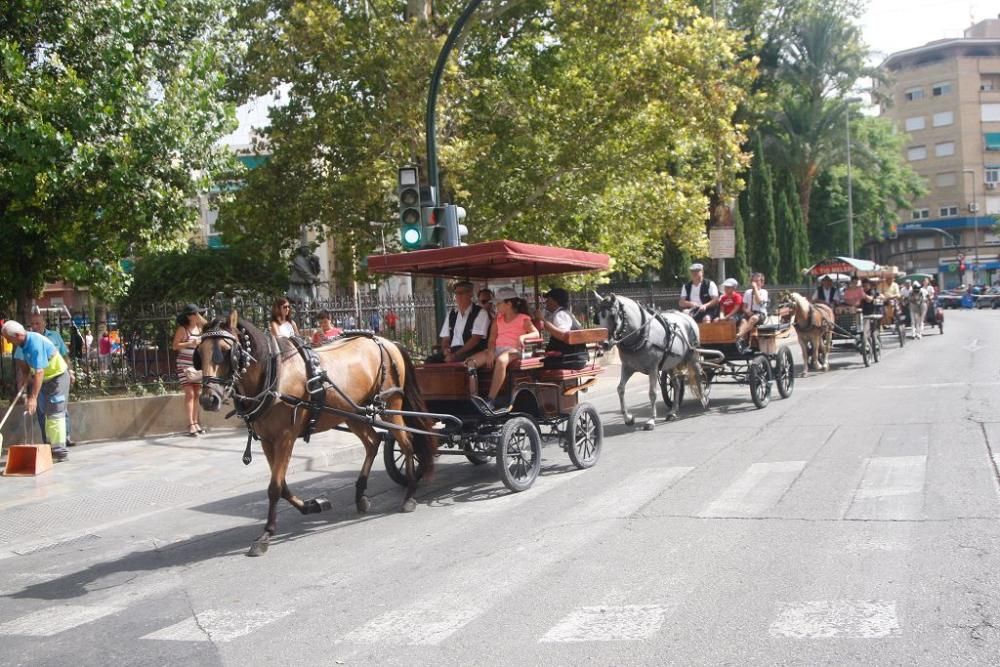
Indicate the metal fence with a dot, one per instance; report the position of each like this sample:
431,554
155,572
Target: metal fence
140,358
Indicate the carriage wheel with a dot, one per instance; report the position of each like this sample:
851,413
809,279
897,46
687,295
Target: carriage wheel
395,462
784,372
705,377
759,375
476,457
672,390
519,453
584,435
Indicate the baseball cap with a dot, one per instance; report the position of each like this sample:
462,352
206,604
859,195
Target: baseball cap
697,267
505,294
558,294
730,282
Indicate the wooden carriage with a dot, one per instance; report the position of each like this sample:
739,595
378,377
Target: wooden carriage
544,403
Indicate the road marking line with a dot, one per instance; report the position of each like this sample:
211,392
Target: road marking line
509,501
53,620
609,624
891,487
828,619
756,491
217,625
461,594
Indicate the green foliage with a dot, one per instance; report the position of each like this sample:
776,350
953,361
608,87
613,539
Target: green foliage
763,252
597,125
792,239
196,274
740,266
109,116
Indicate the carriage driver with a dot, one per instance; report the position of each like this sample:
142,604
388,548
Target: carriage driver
557,320
464,331
827,292
700,297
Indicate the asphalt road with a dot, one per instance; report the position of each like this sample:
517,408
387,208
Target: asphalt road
855,523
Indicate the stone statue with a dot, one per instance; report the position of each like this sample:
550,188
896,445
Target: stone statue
304,275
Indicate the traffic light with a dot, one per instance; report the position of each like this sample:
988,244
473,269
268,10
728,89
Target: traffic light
455,231
411,229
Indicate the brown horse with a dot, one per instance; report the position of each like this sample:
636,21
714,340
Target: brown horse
266,377
814,327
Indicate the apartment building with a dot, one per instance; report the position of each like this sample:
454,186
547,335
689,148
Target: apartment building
945,96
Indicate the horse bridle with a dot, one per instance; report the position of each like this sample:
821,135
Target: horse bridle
240,359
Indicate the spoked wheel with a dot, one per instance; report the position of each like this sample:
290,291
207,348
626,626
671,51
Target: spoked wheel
866,353
584,435
784,372
519,453
672,390
759,375
395,462
705,376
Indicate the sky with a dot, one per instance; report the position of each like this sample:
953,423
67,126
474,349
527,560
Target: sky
888,25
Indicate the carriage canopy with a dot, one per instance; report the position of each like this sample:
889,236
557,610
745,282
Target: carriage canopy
489,260
849,265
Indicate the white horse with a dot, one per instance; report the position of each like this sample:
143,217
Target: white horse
652,343
918,310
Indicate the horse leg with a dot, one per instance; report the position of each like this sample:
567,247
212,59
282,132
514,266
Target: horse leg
806,354
626,374
651,422
826,342
371,440
278,458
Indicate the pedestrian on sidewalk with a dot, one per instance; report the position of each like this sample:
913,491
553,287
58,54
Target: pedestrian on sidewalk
282,325
39,325
45,379
186,339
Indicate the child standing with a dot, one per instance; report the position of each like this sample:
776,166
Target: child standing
507,335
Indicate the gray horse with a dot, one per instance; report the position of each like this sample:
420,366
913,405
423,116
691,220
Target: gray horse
657,344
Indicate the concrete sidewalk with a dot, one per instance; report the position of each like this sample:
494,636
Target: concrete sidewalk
107,483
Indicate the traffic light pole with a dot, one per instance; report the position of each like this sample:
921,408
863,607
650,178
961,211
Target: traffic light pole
440,302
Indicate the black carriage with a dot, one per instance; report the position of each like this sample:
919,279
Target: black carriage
544,402
853,329
765,361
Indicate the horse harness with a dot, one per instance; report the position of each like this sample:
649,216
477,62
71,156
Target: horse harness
648,317
248,408
810,324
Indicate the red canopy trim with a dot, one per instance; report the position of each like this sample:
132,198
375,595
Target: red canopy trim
492,259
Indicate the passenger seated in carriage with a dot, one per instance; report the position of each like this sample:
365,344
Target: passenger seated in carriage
700,297
508,333
557,320
855,294
464,331
755,302
731,301
827,292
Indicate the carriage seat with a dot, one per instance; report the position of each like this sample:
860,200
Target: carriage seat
773,329
562,374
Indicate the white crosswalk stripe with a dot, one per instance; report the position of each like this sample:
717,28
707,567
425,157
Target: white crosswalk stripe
891,488
217,625
56,619
462,595
827,619
756,491
608,624
509,501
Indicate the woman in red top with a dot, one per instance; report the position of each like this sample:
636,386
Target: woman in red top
731,302
507,335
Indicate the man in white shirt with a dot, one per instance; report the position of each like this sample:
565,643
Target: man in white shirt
700,297
755,302
464,331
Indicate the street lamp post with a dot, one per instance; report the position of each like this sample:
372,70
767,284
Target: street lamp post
974,209
850,187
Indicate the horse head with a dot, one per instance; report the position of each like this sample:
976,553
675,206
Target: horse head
223,356
610,315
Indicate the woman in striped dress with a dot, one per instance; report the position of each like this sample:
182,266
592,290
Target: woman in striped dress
186,339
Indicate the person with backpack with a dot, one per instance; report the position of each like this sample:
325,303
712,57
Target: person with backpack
700,297
464,331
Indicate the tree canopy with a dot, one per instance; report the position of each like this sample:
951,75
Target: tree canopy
110,113
600,125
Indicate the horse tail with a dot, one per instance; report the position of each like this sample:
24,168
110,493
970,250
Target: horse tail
424,446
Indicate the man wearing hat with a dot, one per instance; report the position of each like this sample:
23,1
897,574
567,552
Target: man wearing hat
700,297
731,301
46,379
557,320
827,292
464,331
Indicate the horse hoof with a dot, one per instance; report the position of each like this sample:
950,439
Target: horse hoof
630,421
364,504
258,548
316,505
408,506
648,426
670,418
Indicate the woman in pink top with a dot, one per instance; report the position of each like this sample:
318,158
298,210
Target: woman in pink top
507,335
